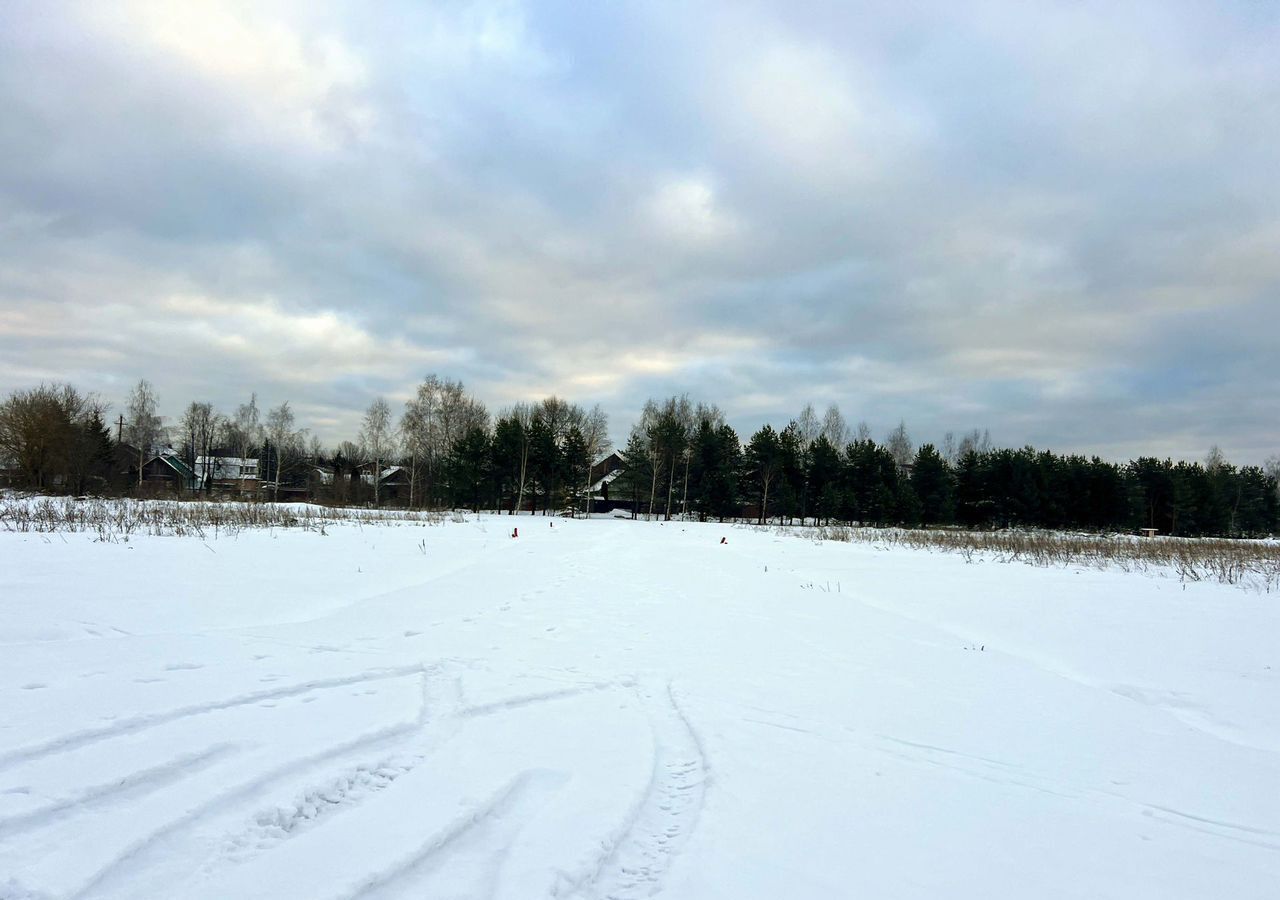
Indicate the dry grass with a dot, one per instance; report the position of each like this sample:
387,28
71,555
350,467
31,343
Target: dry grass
117,520
1254,564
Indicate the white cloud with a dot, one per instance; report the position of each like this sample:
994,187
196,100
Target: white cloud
1023,219
684,208
302,87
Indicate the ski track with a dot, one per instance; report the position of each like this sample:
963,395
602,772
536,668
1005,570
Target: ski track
511,703
521,795
132,785
135,724
1185,714
1002,773
640,853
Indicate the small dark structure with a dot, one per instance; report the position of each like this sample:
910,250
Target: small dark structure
167,473
603,474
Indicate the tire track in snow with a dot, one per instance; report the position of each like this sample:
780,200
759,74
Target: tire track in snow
441,714
135,724
275,824
346,789
136,855
640,853
437,718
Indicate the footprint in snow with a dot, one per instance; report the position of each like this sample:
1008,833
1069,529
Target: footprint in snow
183,666
34,686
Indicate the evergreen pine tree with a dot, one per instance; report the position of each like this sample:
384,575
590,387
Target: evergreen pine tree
576,462
637,474
762,463
932,483
468,468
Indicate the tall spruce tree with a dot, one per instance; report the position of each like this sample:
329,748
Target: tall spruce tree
762,464
576,460
468,468
932,483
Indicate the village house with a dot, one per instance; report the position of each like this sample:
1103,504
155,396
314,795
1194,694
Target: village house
602,475
225,475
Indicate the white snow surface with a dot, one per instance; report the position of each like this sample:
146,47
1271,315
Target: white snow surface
616,709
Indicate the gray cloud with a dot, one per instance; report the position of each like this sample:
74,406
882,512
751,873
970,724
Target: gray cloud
1056,221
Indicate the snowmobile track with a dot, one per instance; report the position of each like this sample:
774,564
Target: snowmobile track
641,852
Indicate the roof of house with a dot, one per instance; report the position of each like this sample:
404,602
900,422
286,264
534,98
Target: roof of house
608,465
175,463
606,470
607,479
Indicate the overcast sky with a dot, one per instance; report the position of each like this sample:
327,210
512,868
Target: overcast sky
1060,222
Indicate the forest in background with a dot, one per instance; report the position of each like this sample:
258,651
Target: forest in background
680,458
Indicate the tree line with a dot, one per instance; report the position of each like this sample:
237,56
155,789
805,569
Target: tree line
681,458
685,457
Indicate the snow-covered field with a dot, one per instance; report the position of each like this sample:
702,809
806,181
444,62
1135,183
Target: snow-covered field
623,709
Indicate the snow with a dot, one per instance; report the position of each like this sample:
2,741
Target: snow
622,709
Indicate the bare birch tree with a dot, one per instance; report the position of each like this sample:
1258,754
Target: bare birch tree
834,428
200,426
434,420
287,443
595,431
143,428
247,432
808,427
949,450
522,414
975,441
900,447
377,436
1272,468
